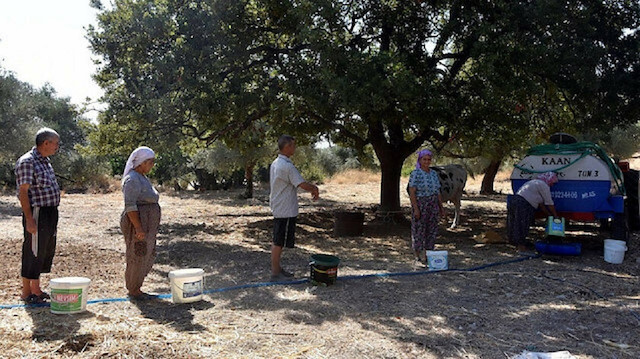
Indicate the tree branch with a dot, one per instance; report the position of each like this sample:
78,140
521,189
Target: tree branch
344,131
236,126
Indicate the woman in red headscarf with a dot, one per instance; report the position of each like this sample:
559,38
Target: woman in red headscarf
534,194
426,204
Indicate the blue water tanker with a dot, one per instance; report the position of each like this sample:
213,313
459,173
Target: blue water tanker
590,185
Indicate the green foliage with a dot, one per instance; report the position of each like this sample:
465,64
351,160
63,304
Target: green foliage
620,142
19,120
390,74
335,159
23,110
171,168
307,161
82,172
219,166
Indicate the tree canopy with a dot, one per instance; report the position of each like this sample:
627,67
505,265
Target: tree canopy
391,74
23,110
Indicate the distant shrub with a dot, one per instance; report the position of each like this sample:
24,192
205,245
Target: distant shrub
355,176
81,172
336,159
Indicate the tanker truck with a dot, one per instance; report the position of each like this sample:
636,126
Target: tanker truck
590,187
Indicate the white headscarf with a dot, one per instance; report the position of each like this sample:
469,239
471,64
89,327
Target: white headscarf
136,157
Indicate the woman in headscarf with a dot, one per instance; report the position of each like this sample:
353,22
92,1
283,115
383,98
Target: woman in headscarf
140,219
534,194
426,204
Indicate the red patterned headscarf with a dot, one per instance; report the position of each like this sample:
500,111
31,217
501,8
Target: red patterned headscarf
421,154
549,178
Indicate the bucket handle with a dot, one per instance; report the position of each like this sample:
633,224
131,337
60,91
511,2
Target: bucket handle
320,271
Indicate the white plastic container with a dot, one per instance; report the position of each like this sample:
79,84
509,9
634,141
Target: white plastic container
438,260
614,250
69,294
186,285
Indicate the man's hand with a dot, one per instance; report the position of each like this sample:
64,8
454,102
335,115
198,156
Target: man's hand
311,188
31,225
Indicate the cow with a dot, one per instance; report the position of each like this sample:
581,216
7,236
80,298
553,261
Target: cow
452,181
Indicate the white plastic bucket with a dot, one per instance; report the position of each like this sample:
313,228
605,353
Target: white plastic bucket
186,285
614,250
69,294
438,260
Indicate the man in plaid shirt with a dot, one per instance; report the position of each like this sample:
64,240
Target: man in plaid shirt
39,196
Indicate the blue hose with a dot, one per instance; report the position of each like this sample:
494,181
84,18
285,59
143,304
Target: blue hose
299,281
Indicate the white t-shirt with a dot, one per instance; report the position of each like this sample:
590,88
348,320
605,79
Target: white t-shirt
535,192
285,179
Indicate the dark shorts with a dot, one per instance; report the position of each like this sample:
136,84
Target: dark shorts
284,230
32,264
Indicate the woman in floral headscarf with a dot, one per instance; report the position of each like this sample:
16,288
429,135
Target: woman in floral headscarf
140,219
534,194
426,204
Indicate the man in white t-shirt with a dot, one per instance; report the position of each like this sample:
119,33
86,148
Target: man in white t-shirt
283,200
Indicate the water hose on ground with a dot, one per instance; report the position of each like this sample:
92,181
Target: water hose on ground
299,281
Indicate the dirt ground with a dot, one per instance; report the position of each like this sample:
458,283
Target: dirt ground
581,304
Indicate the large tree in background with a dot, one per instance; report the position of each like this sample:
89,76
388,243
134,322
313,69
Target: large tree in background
392,74
594,95
23,110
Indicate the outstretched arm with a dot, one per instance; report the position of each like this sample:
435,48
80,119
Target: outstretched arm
313,189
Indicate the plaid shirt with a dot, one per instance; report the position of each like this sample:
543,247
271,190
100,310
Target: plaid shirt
35,170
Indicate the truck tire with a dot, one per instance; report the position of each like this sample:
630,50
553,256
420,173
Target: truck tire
631,186
620,227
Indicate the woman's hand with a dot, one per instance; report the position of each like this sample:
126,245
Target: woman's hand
134,217
140,234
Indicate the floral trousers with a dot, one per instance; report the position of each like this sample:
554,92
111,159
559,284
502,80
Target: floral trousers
425,229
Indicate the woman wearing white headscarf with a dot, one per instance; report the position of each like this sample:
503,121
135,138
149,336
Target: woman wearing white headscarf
140,219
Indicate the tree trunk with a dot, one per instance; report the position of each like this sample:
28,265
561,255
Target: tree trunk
248,176
390,185
490,176
391,149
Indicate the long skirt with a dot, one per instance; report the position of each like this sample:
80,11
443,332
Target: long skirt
425,229
519,218
140,259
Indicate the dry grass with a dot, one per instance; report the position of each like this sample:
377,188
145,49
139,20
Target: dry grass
581,304
355,177
359,177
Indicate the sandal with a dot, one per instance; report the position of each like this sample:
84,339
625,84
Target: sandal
32,299
143,296
44,296
285,273
527,254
